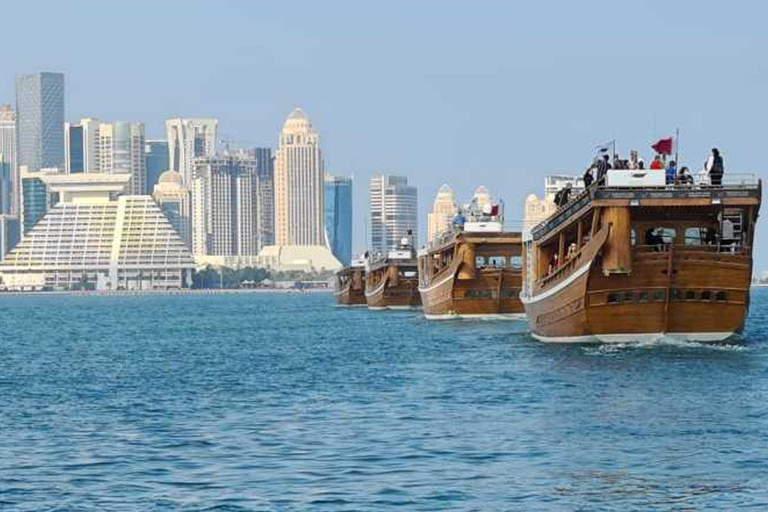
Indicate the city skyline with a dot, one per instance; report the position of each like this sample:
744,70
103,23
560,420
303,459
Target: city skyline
474,76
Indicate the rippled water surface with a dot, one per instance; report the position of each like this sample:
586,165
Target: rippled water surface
284,402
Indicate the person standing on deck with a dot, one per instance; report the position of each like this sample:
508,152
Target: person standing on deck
715,167
671,172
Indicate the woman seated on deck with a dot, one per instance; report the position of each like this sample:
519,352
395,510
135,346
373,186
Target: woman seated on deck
684,177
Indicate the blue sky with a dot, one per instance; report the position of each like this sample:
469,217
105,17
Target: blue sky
468,93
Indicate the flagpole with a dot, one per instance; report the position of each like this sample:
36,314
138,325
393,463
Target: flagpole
677,147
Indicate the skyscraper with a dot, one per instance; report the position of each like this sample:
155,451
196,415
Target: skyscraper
121,150
224,209
338,216
8,153
299,207
189,139
173,198
265,170
156,155
74,149
394,211
40,120
444,209
6,187
81,146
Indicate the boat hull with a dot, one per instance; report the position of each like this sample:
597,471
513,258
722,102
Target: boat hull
706,300
348,296
403,295
492,294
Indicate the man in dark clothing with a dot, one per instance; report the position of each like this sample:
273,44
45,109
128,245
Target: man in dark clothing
602,169
715,167
588,178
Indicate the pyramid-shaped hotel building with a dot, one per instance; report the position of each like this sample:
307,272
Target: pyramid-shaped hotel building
96,239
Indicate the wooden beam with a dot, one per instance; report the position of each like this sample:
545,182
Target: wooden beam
595,220
579,234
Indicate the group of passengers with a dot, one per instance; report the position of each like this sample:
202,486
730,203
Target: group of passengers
654,237
711,174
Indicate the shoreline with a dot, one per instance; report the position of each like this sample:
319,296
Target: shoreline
183,291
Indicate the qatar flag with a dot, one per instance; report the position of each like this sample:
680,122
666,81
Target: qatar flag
663,146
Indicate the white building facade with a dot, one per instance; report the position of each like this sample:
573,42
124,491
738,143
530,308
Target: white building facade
93,240
224,206
174,200
393,211
444,209
189,139
121,150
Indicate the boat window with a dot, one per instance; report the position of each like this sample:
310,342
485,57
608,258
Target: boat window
694,236
497,261
659,295
668,234
632,236
675,294
643,296
721,296
613,298
690,295
479,261
407,273
516,262
629,296
706,295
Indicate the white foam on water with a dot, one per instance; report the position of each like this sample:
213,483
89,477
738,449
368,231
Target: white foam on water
660,342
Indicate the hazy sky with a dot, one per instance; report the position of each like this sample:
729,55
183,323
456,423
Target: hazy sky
467,93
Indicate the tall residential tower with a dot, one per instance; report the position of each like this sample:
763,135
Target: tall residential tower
394,211
189,139
444,209
121,151
224,209
299,207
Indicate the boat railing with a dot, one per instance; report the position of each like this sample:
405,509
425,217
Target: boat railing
448,234
734,248
731,182
565,267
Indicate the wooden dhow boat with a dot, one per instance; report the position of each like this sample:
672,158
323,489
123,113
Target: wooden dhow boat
391,281
473,270
634,259
350,285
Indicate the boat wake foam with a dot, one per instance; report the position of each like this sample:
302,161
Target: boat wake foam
663,341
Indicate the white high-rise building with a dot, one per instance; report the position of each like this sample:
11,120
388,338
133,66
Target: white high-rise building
444,209
189,139
174,198
224,206
121,150
8,152
299,184
394,211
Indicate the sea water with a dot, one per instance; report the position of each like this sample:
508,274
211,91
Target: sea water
286,402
